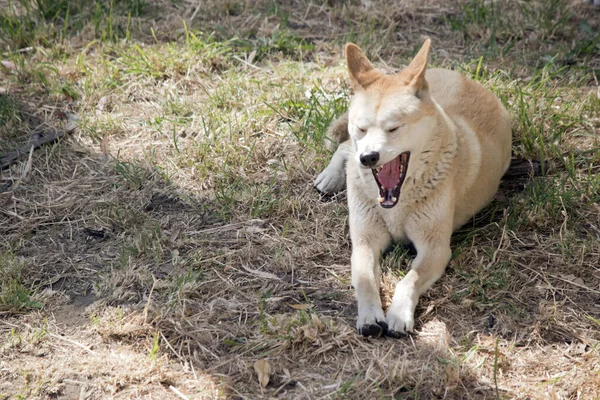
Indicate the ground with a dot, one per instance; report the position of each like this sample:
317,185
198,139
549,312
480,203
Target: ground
173,239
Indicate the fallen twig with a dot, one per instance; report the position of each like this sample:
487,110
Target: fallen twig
36,141
84,347
178,393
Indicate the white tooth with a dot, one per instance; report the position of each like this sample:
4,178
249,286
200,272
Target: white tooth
394,199
380,199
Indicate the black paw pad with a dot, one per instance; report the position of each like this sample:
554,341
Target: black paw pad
396,334
374,330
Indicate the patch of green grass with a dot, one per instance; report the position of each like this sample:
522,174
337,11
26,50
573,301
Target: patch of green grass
346,388
131,173
501,25
219,53
587,47
216,53
481,19
491,280
155,350
27,22
14,295
257,200
548,18
281,43
52,9
478,13
16,31
396,261
146,62
309,117
545,116
183,286
546,199
9,113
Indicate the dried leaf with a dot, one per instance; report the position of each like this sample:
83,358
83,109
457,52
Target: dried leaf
262,274
576,280
263,370
579,281
9,64
251,57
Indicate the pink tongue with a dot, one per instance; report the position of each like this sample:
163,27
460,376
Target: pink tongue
390,174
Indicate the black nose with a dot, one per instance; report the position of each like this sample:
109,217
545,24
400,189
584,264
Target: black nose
369,159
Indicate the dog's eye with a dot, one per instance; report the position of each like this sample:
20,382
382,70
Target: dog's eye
395,129
361,130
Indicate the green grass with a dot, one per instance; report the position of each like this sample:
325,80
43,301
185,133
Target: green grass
309,117
15,294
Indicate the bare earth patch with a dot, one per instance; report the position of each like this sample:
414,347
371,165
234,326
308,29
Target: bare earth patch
174,239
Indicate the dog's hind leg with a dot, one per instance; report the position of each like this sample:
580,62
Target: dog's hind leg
337,132
333,178
433,255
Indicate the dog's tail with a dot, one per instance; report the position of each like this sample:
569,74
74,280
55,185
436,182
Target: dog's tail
337,132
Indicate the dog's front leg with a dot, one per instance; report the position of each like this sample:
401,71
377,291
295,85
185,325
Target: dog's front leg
366,278
433,255
369,239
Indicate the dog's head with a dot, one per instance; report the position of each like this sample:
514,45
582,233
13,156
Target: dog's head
390,117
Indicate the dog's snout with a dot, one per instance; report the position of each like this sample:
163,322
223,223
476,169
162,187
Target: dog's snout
369,159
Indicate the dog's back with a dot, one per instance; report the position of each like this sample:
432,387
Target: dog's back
486,130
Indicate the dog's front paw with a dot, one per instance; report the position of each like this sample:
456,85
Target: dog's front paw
330,181
400,319
372,324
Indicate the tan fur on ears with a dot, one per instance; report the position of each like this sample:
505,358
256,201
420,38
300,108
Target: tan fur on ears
361,71
417,67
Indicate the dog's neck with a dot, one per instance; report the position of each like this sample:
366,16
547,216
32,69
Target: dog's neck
434,161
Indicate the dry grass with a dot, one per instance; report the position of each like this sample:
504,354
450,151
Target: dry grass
175,238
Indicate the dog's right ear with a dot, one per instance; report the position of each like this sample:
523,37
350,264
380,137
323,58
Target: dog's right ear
417,67
361,71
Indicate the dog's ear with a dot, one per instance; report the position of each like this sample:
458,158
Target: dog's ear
417,67
361,71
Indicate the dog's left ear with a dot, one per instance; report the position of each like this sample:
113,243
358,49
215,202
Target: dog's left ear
417,67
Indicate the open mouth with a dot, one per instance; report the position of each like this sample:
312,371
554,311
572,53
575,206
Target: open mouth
390,177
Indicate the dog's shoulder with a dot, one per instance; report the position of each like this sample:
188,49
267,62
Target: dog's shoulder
463,98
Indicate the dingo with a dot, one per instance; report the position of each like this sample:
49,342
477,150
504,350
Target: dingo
422,152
